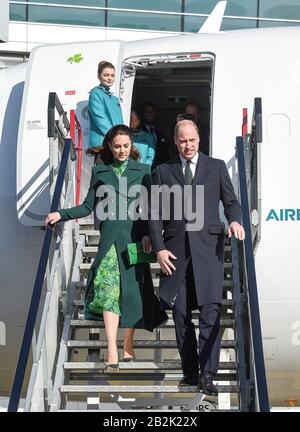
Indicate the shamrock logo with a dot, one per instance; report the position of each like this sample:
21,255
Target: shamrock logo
76,58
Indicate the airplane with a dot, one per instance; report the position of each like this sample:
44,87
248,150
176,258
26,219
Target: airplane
223,72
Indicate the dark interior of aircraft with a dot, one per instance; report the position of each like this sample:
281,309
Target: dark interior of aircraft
170,87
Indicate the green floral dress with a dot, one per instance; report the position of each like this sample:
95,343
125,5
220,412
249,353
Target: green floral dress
107,279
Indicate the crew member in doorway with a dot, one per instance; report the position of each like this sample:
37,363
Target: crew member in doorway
149,114
192,108
143,141
104,108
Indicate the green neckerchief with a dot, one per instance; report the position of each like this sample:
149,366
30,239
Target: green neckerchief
119,166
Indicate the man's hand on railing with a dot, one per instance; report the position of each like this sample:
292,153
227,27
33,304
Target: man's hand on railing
52,218
236,229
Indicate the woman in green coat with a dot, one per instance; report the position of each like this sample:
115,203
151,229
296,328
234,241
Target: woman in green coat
119,293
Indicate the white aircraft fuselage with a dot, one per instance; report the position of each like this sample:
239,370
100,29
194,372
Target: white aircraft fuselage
243,64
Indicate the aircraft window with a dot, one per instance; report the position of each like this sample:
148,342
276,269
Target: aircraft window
99,3
280,10
144,21
192,24
278,127
17,12
236,7
236,24
157,5
48,14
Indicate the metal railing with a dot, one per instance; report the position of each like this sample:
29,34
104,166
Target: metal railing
37,290
256,373
77,140
242,346
55,131
252,153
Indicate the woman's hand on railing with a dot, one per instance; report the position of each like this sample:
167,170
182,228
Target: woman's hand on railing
236,229
52,218
146,244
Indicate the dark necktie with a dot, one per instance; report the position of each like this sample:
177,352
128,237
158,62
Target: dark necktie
188,175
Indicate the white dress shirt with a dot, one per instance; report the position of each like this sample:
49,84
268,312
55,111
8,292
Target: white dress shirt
193,164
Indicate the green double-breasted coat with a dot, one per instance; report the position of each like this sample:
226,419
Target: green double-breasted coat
139,306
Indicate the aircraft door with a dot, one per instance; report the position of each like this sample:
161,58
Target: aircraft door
70,70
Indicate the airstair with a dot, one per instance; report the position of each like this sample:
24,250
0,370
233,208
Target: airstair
150,382
68,371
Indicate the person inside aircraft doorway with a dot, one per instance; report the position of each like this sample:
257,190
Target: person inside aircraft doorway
143,141
192,108
149,114
104,108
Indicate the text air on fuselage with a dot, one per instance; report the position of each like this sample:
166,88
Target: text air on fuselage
287,214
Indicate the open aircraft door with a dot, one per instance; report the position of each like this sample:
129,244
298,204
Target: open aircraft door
70,70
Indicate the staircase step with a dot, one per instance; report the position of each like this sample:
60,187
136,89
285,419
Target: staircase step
154,266
84,268
141,365
99,376
89,232
141,389
227,286
168,344
170,323
225,303
92,250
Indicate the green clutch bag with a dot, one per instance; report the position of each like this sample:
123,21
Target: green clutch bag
136,255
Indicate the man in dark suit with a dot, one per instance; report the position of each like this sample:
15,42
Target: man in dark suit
149,114
191,260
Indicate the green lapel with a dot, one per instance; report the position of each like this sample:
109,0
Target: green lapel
107,176
132,172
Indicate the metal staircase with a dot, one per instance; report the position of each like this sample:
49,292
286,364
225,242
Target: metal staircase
150,382
68,372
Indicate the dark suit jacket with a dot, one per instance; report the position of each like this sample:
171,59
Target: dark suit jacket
205,246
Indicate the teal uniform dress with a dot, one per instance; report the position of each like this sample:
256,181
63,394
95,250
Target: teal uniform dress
112,283
145,143
104,113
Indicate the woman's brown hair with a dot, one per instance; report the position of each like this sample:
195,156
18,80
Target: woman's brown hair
104,64
104,154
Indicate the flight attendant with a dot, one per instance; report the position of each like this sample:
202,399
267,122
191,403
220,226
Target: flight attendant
143,141
104,108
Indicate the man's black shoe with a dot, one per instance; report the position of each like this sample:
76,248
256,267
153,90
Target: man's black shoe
207,386
189,380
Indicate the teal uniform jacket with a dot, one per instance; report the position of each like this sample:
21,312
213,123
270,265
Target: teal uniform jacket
145,143
139,306
104,113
